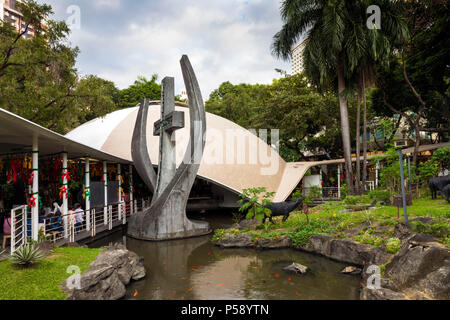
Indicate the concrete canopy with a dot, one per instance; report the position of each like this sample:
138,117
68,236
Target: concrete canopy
224,163
16,136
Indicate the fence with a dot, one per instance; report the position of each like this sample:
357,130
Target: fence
74,226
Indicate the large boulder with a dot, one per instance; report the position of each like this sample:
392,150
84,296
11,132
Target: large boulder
381,294
346,250
108,276
423,267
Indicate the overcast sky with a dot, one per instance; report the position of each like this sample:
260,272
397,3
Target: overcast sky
226,40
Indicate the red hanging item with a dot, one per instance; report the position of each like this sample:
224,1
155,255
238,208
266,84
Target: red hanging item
65,175
32,202
30,180
63,192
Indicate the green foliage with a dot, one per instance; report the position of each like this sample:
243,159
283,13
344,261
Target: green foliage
354,200
393,245
237,217
345,190
38,78
218,234
442,158
250,203
439,230
41,282
315,192
302,234
371,239
142,88
390,173
380,195
27,255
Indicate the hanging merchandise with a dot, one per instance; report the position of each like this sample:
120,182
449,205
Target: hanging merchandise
30,180
87,193
63,191
65,175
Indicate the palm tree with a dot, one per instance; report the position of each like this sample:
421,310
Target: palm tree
338,47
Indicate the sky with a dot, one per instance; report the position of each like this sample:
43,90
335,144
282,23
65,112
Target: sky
226,40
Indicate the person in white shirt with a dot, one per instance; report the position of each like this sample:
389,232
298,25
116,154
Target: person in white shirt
79,216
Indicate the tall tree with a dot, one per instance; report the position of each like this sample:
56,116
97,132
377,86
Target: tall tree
38,79
337,44
142,88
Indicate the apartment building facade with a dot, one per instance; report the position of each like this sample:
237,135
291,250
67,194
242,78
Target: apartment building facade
9,12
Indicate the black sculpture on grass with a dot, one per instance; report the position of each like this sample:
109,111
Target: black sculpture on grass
438,184
283,209
446,193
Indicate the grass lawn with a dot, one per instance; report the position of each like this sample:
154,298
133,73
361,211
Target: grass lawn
41,282
374,227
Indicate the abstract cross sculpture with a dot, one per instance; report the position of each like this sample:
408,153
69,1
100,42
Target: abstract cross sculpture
166,219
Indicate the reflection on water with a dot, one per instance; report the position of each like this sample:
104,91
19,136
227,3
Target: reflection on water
194,269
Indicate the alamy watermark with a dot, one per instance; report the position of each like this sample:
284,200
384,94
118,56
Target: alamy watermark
74,281
374,21
374,281
74,18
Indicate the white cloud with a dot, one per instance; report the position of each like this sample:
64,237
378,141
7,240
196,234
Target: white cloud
226,40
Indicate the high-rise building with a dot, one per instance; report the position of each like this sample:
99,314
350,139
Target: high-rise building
297,58
10,13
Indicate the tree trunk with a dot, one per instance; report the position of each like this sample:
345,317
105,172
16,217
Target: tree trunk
364,172
358,142
345,127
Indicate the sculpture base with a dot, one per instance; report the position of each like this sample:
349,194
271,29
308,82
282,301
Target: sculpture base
146,227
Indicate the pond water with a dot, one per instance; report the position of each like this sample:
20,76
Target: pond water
194,269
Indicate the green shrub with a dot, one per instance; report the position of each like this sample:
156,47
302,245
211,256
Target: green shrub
354,200
218,234
439,230
251,205
380,195
367,238
315,192
27,255
300,237
345,190
393,245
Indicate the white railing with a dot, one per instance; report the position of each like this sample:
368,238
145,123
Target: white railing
18,228
54,228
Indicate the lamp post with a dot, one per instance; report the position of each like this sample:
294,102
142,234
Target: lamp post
405,210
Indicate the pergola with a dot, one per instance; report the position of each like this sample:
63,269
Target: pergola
20,136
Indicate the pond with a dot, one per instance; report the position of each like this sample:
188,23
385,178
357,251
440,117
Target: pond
195,269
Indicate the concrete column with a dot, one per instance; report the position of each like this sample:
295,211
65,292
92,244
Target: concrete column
131,190
87,200
377,173
35,194
105,182
65,204
119,178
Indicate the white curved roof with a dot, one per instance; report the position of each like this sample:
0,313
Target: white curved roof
255,165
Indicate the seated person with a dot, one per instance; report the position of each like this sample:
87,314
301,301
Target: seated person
7,226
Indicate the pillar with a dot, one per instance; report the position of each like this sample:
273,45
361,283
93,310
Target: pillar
339,181
87,199
65,204
131,190
105,182
35,194
377,173
119,178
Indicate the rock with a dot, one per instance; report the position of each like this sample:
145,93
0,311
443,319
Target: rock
297,268
422,267
381,294
402,231
420,237
236,241
351,270
281,242
108,275
249,224
346,250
